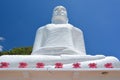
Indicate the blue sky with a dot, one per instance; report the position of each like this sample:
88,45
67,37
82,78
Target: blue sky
98,19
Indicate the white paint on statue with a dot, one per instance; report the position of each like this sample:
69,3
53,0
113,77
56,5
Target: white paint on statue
59,37
59,15
59,42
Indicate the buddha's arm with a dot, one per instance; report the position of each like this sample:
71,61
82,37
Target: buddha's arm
39,38
78,40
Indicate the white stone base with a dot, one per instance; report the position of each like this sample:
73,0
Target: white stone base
59,74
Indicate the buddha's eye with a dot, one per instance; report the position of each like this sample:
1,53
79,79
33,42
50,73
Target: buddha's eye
55,10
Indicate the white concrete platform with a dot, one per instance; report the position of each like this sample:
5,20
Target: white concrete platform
59,74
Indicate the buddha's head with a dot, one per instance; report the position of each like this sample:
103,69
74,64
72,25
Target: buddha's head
59,15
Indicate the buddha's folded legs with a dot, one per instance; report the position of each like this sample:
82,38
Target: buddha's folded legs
67,60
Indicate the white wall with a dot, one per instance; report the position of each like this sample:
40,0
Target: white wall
76,74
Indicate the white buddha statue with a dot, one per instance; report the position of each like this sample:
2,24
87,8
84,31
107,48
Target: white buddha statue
60,42
59,37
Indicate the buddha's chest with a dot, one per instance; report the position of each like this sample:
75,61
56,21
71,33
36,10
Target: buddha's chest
59,36
59,32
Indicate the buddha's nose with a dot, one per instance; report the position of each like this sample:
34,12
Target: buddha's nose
59,9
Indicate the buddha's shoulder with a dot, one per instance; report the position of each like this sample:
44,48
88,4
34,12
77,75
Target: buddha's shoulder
51,26
45,26
59,25
42,27
56,26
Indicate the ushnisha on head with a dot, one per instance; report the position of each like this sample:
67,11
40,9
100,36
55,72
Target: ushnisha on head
59,15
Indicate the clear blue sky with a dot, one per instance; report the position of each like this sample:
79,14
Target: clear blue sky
98,19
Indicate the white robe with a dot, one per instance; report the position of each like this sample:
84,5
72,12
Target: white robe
58,39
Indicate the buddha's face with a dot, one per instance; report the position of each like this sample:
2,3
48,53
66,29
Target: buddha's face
60,11
59,15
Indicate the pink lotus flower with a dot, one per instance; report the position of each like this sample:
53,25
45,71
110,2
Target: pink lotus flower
92,65
22,65
58,65
108,65
4,65
40,65
76,65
